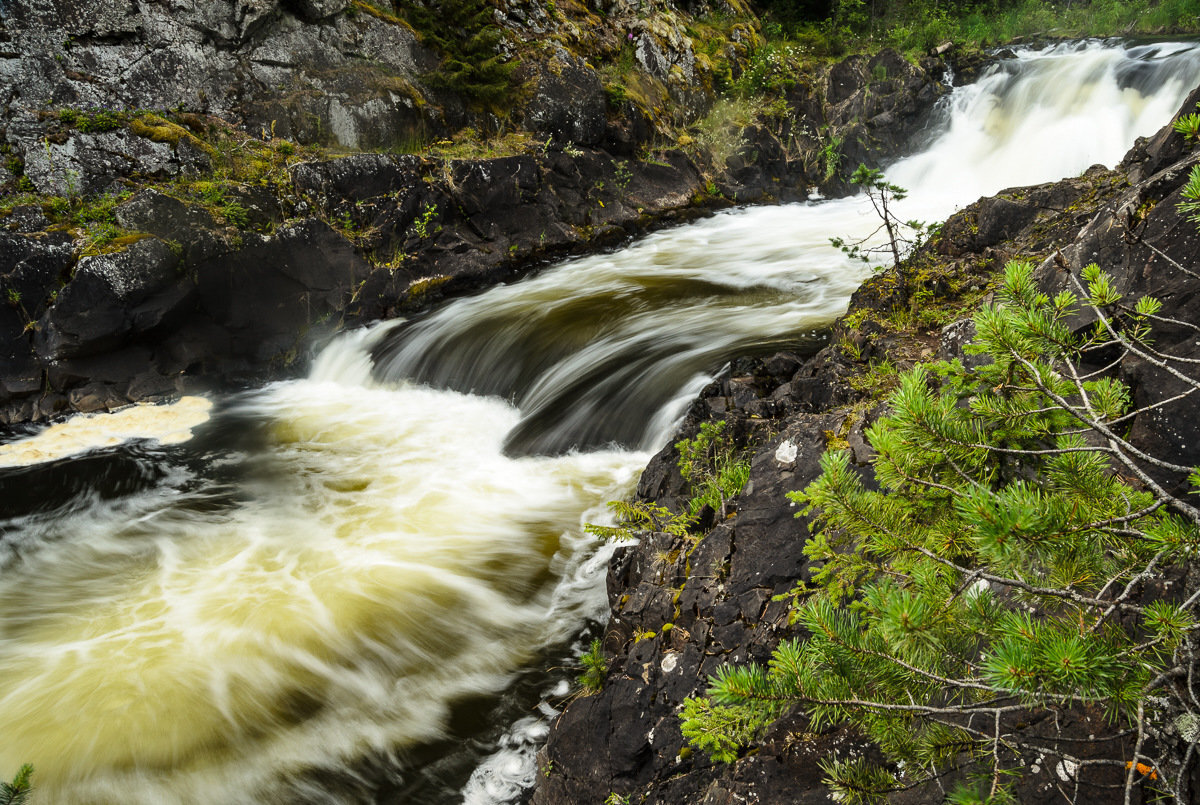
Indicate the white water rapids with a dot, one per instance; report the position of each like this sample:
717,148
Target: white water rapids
350,588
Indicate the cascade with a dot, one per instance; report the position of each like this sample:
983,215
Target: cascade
357,587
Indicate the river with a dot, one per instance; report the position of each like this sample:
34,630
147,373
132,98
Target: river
367,586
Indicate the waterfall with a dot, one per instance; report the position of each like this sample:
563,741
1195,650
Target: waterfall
359,587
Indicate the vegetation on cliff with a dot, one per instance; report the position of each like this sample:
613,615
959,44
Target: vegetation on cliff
1016,563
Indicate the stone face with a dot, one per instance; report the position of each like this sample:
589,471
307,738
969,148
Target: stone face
255,62
568,103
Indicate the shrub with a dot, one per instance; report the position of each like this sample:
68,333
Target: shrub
902,236
714,470
595,667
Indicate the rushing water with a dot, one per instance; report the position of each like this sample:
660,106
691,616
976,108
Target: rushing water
356,587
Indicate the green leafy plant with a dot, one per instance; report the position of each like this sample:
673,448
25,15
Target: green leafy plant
466,33
1188,125
422,226
17,792
622,176
902,236
715,471
595,667
215,196
995,578
830,156
92,122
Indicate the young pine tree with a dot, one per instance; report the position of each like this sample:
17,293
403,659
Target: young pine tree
995,580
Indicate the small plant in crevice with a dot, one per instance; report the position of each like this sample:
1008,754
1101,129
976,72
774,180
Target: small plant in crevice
902,236
830,156
595,667
422,226
622,176
92,122
714,469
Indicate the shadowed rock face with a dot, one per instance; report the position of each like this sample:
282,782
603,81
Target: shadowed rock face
719,596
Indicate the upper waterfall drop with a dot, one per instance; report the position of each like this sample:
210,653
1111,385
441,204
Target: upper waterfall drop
1044,115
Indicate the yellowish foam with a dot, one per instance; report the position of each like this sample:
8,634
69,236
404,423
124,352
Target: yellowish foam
166,424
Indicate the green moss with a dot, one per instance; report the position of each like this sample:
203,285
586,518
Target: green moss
161,130
380,14
420,289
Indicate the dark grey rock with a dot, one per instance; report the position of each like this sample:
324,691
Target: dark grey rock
111,297
316,10
568,103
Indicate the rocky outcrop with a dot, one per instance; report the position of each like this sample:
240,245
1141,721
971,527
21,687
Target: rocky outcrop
683,607
307,69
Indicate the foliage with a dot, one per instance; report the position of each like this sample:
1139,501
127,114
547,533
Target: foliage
638,518
1188,125
1191,192
714,471
722,730
830,156
720,134
17,792
827,28
622,175
995,576
92,122
466,33
595,667
772,69
421,226
216,197
902,236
